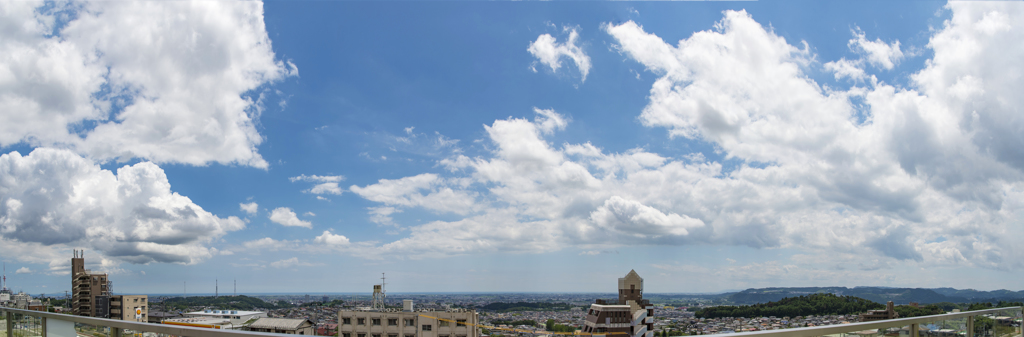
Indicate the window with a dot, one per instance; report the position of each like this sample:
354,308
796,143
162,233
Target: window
361,335
443,323
361,321
392,335
461,322
394,322
143,300
376,321
376,335
346,334
346,320
426,327
410,322
410,335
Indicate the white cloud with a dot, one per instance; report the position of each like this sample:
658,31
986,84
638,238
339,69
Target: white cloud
328,238
382,215
878,53
846,68
23,270
55,199
292,262
163,81
250,208
310,214
550,52
317,179
408,192
933,161
286,217
324,184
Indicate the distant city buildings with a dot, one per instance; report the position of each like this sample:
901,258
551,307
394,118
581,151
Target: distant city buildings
629,316
407,322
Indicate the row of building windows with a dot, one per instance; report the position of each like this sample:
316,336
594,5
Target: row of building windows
394,322
347,334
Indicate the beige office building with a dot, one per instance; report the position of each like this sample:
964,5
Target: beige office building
126,307
408,323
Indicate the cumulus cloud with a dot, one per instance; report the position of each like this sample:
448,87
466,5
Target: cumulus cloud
323,184
878,53
936,160
250,208
286,217
23,270
550,52
846,68
176,89
54,199
328,238
425,190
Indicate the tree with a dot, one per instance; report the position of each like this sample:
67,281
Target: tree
983,324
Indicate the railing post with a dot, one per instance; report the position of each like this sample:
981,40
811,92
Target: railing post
115,332
913,330
10,324
42,326
970,326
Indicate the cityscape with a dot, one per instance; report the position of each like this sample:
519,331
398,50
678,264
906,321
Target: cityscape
504,168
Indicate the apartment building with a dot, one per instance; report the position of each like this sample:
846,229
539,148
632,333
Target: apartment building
628,316
408,323
89,291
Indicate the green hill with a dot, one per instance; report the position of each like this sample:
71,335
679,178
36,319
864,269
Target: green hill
240,302
813,304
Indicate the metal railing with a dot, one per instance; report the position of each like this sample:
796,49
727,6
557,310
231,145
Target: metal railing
28,323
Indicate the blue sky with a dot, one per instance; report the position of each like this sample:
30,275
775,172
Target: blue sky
504,146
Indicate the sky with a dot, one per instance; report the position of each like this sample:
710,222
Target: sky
310,146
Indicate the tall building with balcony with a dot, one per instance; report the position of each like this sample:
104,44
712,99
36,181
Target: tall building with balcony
90,292
628,316
91,295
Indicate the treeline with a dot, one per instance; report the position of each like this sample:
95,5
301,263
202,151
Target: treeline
240,302
814,304
526,306
528,322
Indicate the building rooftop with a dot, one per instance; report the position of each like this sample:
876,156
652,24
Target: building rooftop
278,323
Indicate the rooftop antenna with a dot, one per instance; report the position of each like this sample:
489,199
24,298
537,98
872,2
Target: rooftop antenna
236,288
216,288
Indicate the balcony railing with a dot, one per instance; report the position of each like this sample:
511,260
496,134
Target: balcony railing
1000,322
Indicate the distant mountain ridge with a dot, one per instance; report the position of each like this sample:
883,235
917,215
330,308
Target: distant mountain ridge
878,294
